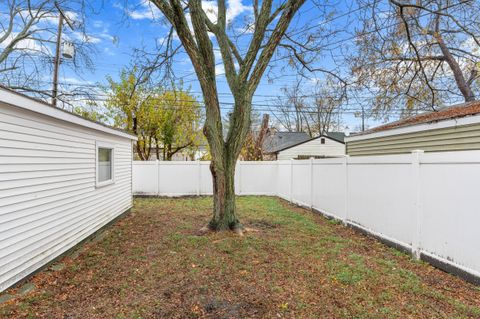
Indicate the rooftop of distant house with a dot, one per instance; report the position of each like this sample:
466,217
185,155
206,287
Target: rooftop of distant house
276,141
447,113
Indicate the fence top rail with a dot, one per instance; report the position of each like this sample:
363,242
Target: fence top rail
201,162
381,159
452,157
456,157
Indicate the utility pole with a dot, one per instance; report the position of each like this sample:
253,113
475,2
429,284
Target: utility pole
363,118
61,18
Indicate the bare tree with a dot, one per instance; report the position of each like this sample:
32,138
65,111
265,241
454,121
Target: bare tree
311,110
323,109
28,31
243,72
418,55
290,109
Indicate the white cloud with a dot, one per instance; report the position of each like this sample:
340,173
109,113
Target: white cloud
80,36
236,8
70,80
145,10
109,52
26,44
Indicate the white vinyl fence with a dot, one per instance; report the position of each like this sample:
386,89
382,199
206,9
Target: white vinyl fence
177,178
426,203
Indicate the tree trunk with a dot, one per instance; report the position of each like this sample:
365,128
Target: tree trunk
224,159
224,208
157,151
169,152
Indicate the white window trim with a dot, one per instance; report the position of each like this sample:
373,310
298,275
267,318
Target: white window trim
111,147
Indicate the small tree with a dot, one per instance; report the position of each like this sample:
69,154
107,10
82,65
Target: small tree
167,119
178,123
131,106
243,73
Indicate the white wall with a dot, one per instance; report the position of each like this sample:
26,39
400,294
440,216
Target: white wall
48,198
427,203
314,147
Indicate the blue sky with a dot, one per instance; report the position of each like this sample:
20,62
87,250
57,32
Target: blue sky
116,30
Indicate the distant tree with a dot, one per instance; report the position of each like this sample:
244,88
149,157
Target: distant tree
90,112
417,55
291,108
179,120
28,31
167,120
312,110
131,106
253,148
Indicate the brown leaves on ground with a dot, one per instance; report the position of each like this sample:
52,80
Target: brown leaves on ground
296,264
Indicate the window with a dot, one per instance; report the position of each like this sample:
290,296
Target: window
322,140
104,165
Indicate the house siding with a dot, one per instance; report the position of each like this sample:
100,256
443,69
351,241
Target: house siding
313,147
458,138
48,198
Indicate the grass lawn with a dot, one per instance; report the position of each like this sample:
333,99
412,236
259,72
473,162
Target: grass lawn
152,264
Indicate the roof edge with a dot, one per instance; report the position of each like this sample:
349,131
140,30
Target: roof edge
25,102
306,141
439,124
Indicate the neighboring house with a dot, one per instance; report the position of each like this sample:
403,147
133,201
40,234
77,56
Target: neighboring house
455,128
62,178
294,145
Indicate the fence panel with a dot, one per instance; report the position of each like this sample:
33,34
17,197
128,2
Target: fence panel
450,220
178,178
206,184
329,186
301,192
380,196
145,178
257,178
283,179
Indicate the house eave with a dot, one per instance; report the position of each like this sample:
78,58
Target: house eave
22,101
466,120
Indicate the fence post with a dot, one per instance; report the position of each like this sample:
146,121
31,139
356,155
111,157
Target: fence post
277,179
345,170
158,177
291,180
311,183
239,177
417,205
199,179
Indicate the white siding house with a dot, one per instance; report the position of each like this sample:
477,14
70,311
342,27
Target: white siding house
318,147
61,179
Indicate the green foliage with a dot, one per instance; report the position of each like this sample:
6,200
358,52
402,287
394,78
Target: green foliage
91,114
178,118
169,120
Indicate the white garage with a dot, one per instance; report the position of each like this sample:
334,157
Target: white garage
62,178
